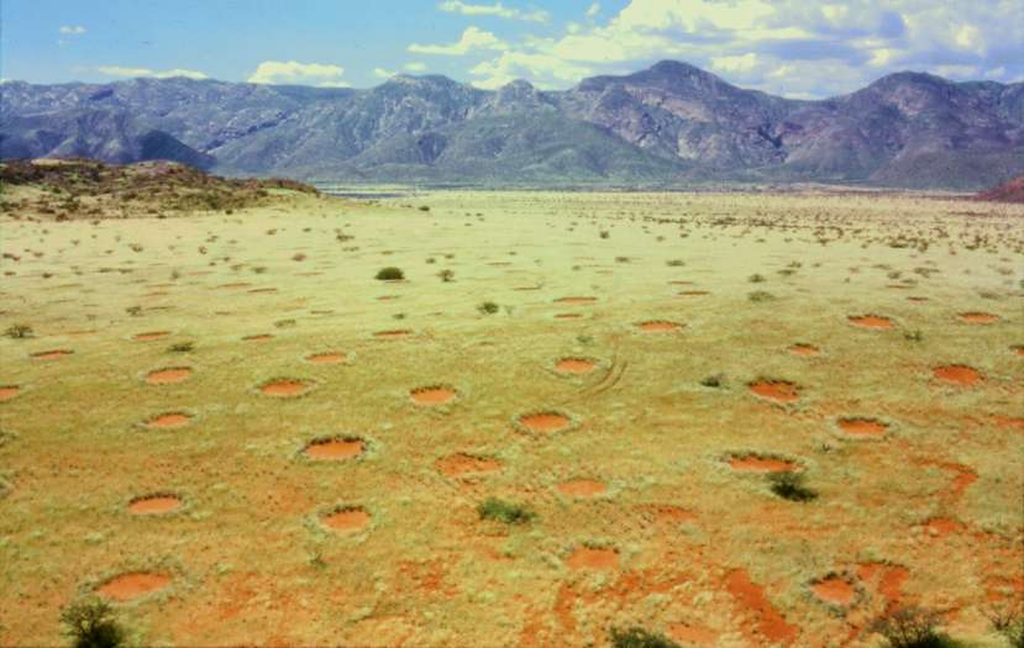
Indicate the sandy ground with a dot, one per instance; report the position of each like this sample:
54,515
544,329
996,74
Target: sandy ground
308,474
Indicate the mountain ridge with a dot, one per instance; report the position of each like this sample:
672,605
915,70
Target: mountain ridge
669,124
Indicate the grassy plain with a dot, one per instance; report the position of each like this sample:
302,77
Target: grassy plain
652,359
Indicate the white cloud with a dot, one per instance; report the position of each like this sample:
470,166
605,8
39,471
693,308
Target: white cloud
593,10
415,66
324,75
544,70
135,72
472,39
497,10
744,63
72,30
381,73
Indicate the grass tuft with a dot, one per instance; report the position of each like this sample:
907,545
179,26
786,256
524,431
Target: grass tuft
640,638
912,627
495,509
92,624
791,486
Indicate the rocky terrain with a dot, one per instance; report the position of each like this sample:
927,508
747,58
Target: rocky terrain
669,125
1011,191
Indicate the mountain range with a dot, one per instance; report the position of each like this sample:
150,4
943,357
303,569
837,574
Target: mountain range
669,125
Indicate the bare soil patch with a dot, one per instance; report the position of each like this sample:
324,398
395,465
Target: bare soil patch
545,422
805,350
168,376
834,590
779,391
133,585
347,520
582,488
285,388
862,427
976,317
575,366
593,558
433,395
659,326
958,374
870,321
150,336
327,357
396,334
55,354
461,464
169,420
154,504
759,464
335,449
7,392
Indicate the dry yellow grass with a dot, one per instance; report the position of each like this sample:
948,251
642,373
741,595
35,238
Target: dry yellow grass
383,545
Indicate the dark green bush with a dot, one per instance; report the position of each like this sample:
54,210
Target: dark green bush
495,509
790,485
640,638
91,624
390,273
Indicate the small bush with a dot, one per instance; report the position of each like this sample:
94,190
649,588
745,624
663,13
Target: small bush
675,263
91,624
495,509
424,208
911,627
714,382
181,347
18,331
1008,622
760,296
134,311
640,638
756,278
488,308
790,485
390,273
446,275
605,234
914,336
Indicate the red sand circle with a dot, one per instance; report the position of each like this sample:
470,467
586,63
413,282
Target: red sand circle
169,420
392,335
434,395
958,374
259,337
285,388
150,336
566,316
461,464
754,463
780,391
56,354
582,488
1018,349
692,635
870,321
133,585
347,520
576,300
575,366
545,422
327,357
975,317
834,590
335,449
659,326
862,427
593,558
805,350
7,392
154,504
168,376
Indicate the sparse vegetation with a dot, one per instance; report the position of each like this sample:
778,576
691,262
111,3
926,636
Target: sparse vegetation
181,347
760,296
1008,620
912,627
446,275
488,308
19,331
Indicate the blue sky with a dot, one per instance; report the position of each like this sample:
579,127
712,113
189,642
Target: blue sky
791,47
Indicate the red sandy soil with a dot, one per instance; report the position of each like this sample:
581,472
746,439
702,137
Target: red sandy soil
335,449
750,597
544,422
916,299
779,391
1011,191
804,350
328,357
1005,422
975,317
52,355
391,335
154,505
576,300
460,464
870,321
582,488
565,316
593,558
659,326
1019,349
259,291
862,427
672,513
172,420
432,395
150,336
940,526
168,376
834,590
693,635
753,463
7,392
284,388
133,585
260,337
347,519
574,366
958,374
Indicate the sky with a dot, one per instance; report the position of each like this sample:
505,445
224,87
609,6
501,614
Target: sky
795,48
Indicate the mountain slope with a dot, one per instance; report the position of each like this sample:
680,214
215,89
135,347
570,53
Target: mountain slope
666,125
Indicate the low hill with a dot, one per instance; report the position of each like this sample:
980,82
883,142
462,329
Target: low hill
1011,192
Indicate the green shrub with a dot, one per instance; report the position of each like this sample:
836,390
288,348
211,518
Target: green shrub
91,624
495,509
181,347
790,485
18,331
390,273
488,308
640,638
446,275
714,382
760,296
1008,622
756,278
